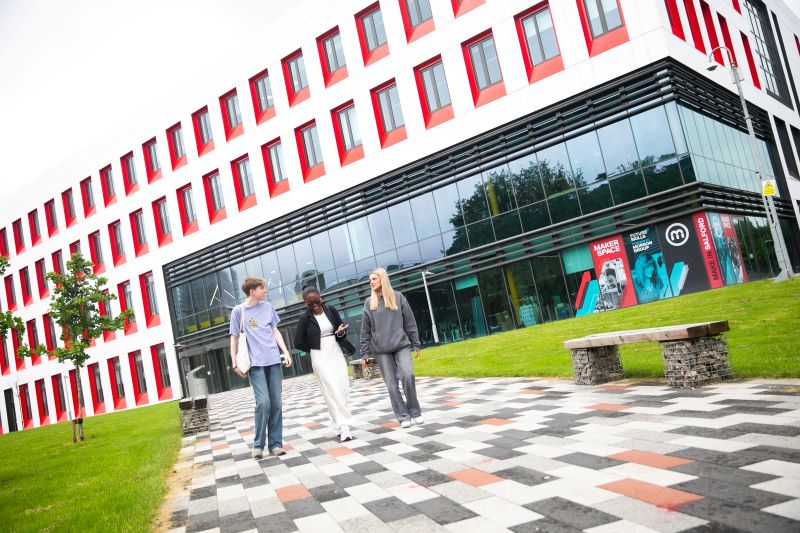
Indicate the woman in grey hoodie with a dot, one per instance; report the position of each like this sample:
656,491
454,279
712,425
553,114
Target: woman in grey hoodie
389,332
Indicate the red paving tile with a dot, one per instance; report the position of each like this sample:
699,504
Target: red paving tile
650,459
292,492
647,492
311,424
288,447
220,446
453,404
531,391
615,387
391,425
496,421
337,452
609,407
474,477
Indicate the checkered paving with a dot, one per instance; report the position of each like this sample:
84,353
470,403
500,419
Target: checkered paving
507,455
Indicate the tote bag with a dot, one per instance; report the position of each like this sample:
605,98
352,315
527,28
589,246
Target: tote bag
242,353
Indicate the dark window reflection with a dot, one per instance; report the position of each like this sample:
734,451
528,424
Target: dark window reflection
628,187
499,190
473,201
480,233
431,248
663,176
554,168
507,225
564,206
652,134
595,197
534,216
448,207
525,179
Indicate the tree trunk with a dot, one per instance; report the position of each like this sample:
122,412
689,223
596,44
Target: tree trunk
81,405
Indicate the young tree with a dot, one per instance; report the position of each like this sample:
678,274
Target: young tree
9,321
75,307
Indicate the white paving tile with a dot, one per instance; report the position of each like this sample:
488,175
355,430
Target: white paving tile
718,445
776,468
501,511
316,523
790,509
782,485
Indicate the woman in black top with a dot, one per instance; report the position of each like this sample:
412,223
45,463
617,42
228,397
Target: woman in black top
321,333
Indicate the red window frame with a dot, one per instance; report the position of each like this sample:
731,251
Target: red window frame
546,68
87,194
105,309
345,156
96,253
67,199
139,248
694,26
415,32
41,279
186,226
61,409
57,259
177,161
164,391
606,41
119,399
5,365
443,114
396,135
94,378
152,174
241,202
675,19
25,286
118,258
130,187
726,36
202,148
492,92
74,247
217,215
262,115
34,227
330,77
151,319
109,197
140,397
15,342
24,399
302,94
41,398
381,51
464,6
163,238
3,242
19,236
751,64
49,340
231,132
11,296
708,18
124,305
736,6
309,173
73,385
32,331
281,186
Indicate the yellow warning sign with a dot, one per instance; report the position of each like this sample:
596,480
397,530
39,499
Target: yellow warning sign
768,188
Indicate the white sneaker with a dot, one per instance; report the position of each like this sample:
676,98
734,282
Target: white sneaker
405,423
257,453
345,434
419,420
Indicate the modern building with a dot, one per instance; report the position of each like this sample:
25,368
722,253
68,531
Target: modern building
540,160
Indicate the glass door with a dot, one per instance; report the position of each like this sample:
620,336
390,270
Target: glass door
470,310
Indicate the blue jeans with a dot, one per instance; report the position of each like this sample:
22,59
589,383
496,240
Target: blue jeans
267,383
397,366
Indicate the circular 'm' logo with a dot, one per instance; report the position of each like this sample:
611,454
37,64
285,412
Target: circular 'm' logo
677,234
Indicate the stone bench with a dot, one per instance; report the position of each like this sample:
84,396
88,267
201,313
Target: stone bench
694,354
359,372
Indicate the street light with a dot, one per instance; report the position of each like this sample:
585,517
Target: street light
426,273
782,255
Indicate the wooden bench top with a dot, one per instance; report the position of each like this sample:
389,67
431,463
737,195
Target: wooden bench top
667,333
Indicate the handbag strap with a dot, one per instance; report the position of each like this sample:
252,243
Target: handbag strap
241,321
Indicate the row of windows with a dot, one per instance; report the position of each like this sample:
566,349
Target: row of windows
535,29
64,387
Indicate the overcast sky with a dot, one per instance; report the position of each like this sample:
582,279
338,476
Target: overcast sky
79,73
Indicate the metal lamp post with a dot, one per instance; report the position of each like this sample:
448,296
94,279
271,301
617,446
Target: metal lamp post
426,273
784,263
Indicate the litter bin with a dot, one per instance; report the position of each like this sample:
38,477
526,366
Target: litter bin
198,386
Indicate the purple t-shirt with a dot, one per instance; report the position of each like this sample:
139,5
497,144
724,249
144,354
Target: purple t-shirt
259,321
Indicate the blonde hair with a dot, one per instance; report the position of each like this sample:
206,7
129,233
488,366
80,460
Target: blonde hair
386,290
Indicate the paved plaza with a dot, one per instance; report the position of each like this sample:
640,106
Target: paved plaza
506,455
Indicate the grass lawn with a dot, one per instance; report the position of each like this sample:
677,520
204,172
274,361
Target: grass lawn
764,340
112,481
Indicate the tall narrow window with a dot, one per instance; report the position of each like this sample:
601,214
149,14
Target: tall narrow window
69,207
41,279
25,407
540,50
161,217
126,302
272,152
138,232
215,200
107,186
19,236
331,53
74,247
751,63
58,262
348,137
675,19
177,151
117,246
98,400
44,408
231,116
186,207
261,92
88,197
389,115
433,92
25,285
294,73
33,226
3,242
243,183
50,335
137,375
106,311
60,398
417,18
372,34
483,68
33,340
96,252
603,25
117,385
161,368
151,161
711,30
5,366
129,178
11,296
202,131
766,50
726,36
310,151
149,298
